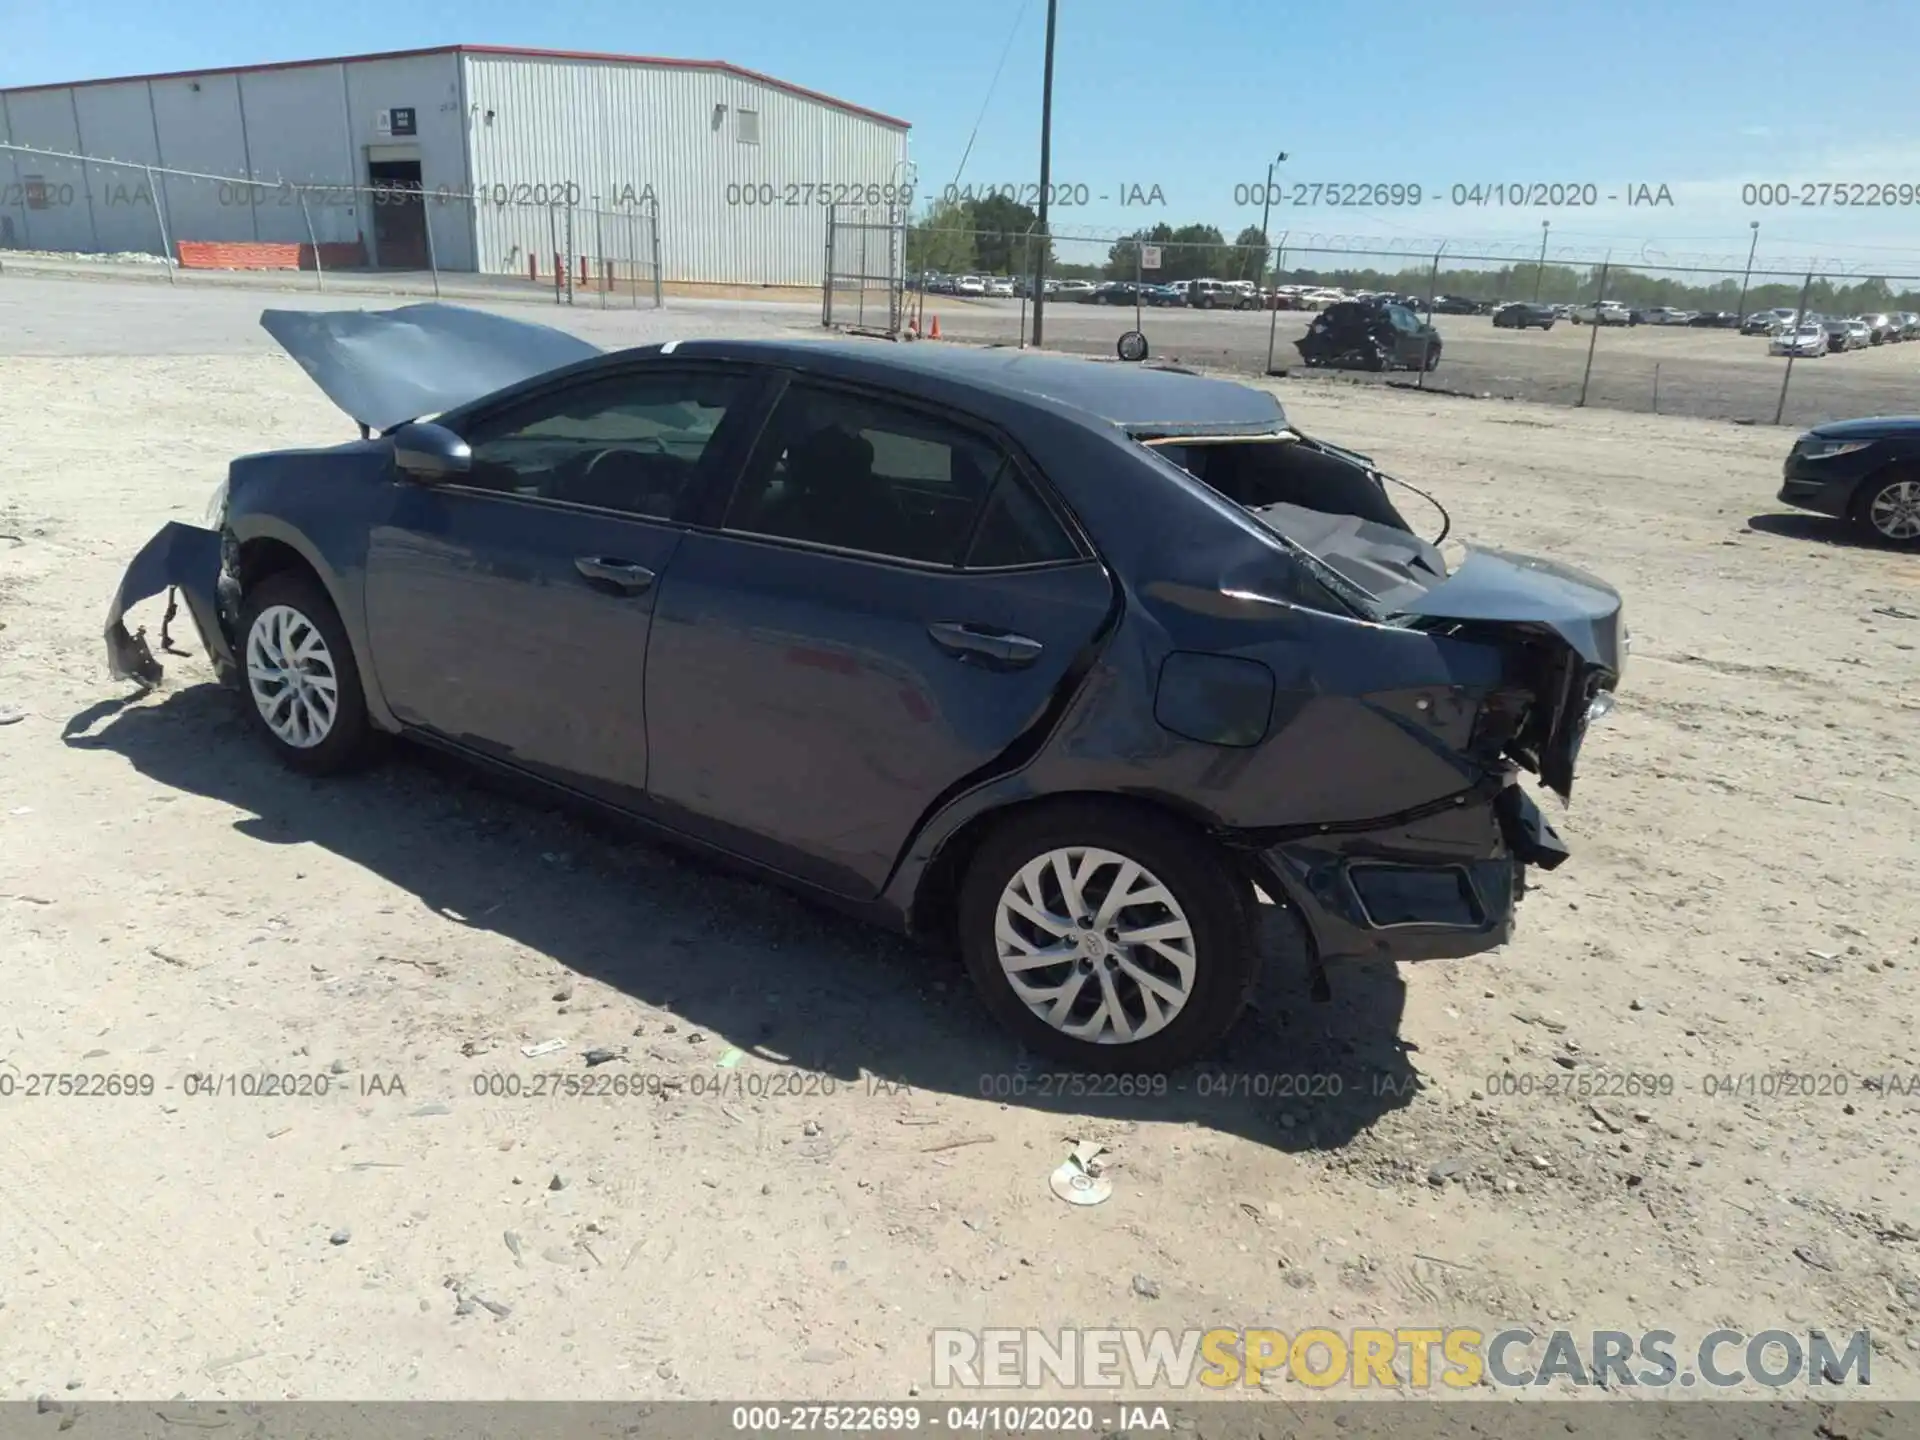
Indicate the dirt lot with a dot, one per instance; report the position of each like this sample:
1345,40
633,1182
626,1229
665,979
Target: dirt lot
1740,903
1708,374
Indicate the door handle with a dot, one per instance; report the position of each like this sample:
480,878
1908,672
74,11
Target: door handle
622,574
997,646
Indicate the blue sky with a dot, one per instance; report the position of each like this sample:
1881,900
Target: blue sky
1698,95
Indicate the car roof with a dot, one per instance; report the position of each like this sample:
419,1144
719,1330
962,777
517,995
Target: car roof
1136,398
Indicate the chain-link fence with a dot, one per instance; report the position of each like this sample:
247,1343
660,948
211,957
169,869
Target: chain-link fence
1651,332
525,242
864,285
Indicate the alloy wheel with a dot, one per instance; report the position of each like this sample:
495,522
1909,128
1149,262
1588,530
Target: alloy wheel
1095,945
1894,510
291,676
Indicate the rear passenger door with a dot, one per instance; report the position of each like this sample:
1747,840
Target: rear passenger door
890,603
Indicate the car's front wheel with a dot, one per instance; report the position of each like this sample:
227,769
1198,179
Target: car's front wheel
1889,509
303,686
1107,938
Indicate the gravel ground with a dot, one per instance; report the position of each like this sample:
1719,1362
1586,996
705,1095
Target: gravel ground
1739,904
1706,374
1669,370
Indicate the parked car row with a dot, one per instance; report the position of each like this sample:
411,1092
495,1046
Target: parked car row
1849,332
1814,335
1202,294
1784,326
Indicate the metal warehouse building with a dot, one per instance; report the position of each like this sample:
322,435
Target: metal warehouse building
468,157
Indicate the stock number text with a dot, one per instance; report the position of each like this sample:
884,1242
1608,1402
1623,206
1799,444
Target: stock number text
67,1085
798,193
1861,194
1582,1085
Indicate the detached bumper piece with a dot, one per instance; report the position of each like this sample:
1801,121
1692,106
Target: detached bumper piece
1438,887
184,559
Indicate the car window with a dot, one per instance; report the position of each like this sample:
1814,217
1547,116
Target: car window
1018,529
627,442
860,474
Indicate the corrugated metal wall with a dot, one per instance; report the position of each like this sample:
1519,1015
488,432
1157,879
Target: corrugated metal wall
618,132
309,124
740,170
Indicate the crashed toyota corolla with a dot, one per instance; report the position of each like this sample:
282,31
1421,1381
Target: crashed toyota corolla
1063,659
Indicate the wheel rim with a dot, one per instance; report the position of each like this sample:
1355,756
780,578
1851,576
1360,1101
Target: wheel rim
291,675
1095,945
1895,510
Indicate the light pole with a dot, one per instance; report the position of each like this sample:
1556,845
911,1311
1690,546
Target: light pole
1747,279
1266,239
1046,180
1540,270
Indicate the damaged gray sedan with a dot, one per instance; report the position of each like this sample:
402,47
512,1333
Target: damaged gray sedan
1068,661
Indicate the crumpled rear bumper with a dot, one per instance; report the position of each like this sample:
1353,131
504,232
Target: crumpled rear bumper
1438,887
180,558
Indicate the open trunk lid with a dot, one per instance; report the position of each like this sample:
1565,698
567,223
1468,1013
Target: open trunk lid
385,367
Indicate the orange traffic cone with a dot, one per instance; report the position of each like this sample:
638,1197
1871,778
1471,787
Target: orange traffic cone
934,333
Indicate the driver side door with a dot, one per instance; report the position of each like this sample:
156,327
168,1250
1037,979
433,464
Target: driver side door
509,609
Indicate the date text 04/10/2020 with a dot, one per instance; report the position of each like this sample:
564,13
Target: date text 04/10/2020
1481,195
1061,195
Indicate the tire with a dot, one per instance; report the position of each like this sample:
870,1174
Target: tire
293,608
1221,956
1887,509
1432,359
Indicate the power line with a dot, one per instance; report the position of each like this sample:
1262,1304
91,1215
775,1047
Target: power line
992,84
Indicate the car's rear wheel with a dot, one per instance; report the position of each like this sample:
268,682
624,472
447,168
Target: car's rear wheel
1889,509
303,688
1107,938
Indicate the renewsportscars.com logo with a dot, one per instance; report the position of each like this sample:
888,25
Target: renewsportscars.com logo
1454,1358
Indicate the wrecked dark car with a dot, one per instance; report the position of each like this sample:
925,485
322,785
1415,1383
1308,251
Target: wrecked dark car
1071,662
1370,335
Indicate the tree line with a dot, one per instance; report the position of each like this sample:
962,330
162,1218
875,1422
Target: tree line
998,236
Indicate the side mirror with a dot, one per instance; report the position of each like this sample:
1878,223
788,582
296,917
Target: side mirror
430,453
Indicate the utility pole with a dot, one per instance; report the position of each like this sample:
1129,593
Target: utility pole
1540,270
1747,279
1266,209
1046,181
1266,239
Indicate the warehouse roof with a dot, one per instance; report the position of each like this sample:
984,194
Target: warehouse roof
720,65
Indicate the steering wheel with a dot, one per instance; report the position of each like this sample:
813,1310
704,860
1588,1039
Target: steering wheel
643,445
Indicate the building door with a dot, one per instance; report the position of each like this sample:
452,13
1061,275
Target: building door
399,215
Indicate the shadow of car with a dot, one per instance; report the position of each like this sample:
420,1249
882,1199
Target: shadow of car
796,985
